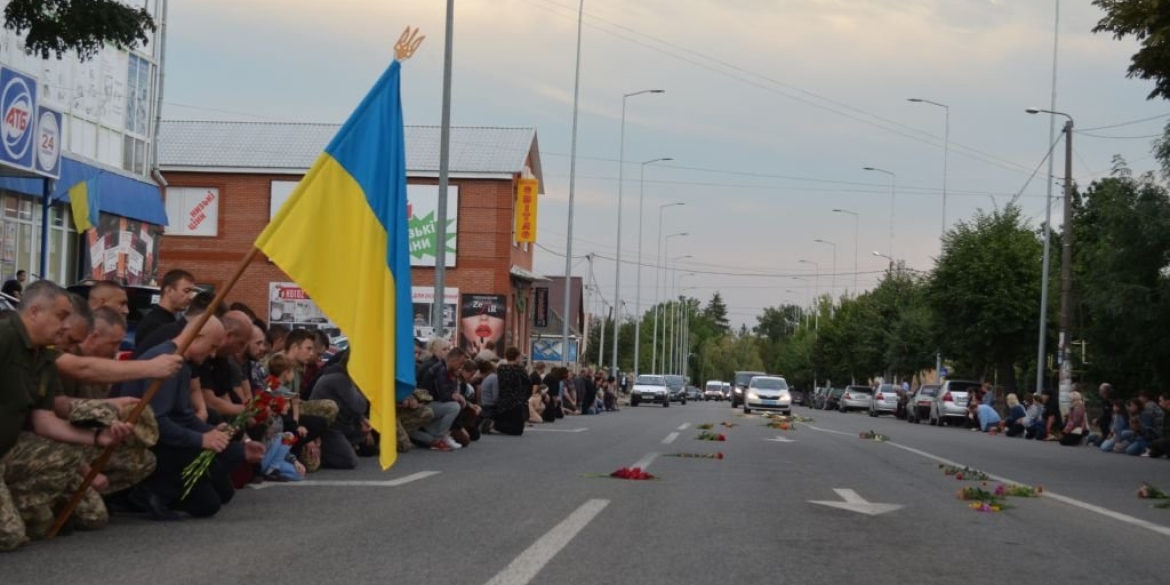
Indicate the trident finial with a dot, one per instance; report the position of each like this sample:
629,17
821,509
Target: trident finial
407,44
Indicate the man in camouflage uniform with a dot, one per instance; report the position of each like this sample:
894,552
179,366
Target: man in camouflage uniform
38,468
413,414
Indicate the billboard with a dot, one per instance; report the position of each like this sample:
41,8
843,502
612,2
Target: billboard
121,249
482,318
548,349
290,305
422,203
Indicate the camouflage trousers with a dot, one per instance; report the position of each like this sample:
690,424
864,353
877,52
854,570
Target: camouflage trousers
411,420
36,475
133,461
326,409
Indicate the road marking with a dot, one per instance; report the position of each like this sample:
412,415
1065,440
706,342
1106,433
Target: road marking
826,430
781,440
684,426
530,562
669,438
1126,518
856,503
547,430
346,483
645,462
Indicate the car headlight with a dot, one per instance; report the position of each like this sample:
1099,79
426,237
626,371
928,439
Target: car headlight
738,391
753,396
785,399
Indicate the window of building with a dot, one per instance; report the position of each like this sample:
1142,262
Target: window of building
137,95
20,240
192,211
278,194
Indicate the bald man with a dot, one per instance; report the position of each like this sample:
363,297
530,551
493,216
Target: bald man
183,435
221,377
107,293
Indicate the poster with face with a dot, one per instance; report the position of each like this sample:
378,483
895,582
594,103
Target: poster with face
482,319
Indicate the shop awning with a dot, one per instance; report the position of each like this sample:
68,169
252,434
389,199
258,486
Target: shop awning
526,275
120,194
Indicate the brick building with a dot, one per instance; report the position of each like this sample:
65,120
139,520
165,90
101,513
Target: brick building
227,179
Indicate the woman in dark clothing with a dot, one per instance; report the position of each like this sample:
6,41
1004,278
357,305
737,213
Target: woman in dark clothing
515,387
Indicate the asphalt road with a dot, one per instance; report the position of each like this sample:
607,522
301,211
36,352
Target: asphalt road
512,511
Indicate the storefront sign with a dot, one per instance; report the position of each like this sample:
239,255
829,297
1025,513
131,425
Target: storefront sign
423,300
193,211
540,312
421,205
18,106
290,305
526,196
48,142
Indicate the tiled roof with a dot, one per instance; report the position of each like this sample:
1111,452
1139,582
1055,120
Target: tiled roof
279,146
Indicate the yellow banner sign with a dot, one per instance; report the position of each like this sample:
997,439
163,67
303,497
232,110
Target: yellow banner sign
526,195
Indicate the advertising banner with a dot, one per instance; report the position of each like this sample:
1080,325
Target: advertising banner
193,211
482,319
290,305
526,196
18,106
423,299
549,350
421,204
122,249
540,307
48,142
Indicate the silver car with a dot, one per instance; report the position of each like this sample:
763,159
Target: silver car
767,393
950,406
921,403
650,388
714,390
856,398
885,400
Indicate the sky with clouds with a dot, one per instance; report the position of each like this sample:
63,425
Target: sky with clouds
771,110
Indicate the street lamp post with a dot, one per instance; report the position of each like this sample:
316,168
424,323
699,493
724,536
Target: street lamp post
617,277
893,195
657,281
946,156
856,234
674,311
817,294
638,293
890,258
676,315
566,320
834,245
1065,270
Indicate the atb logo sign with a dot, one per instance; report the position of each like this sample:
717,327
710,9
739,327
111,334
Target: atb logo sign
18,102
48,142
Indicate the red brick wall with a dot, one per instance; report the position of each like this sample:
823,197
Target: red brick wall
485,249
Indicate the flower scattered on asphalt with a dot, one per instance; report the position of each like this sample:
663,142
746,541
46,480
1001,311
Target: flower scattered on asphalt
728,425
1149,492
696,455
635,473
705,426
710,436
872,435
964,473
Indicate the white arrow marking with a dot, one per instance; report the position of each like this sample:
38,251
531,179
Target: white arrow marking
346,483
547,430
781,440
856,503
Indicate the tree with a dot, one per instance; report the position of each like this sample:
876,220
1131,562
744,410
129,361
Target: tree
1148,22
1121,267
56,27
716,313
984,293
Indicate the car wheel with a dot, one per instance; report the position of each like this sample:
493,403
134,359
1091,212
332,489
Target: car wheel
872,413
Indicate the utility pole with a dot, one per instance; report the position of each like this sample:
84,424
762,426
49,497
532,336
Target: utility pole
1066,303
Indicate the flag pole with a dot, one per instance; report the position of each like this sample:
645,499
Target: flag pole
185,341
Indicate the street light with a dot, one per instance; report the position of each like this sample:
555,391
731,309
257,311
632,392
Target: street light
659,269
675,317
817,287
893,194
856,232
834,245
946,155
565,321
685,345
1065,268
890,258
638,301
617,278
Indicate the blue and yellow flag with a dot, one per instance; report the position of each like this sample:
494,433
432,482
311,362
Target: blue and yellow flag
85,201
342,236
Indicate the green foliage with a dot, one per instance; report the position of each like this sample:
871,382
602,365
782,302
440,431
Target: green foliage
984,292
1148,22
56,27
716,313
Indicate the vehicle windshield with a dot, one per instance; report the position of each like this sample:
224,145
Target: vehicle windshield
650,381
886,388
860,390
742,378
769,383
674,381
928,391
836,392
714,387
962,386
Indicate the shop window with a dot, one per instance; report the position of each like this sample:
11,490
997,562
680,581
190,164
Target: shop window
192,211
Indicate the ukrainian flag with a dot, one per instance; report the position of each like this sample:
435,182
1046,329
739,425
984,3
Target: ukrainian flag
342,236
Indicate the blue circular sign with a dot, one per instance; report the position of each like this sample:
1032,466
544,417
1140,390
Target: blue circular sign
16,128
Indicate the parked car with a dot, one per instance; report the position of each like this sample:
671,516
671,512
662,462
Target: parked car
141,299
797,396
816,399
920,403
650,388
856,398
767,393
678,388
833,399
885,400
739,386
950,405
693,393
714,390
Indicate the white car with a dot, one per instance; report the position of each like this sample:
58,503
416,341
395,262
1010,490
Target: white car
767,393
950,404
650,388
713,390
